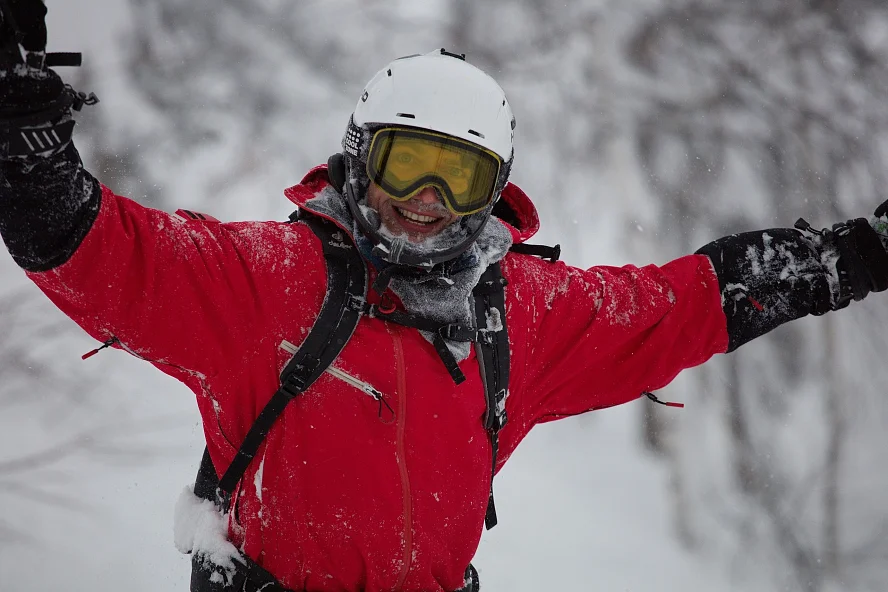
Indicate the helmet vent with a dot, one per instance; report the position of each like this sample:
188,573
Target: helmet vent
459,56
474,133
407,116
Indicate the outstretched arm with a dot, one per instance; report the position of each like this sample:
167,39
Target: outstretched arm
188,295
603,336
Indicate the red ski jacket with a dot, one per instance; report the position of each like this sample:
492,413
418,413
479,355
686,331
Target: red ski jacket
337,498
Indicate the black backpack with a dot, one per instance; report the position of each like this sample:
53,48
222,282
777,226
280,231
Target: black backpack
344,304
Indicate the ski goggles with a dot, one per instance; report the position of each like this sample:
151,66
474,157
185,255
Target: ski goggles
403,161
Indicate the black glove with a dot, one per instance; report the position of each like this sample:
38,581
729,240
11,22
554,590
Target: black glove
24,23
863,254
863,262
35,105
25,87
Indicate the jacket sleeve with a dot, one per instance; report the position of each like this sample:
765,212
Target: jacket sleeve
589,339
47,205
189,296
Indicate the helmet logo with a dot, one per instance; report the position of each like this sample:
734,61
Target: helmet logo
364,96
353,140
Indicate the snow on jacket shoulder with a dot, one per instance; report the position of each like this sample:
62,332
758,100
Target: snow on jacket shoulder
338,497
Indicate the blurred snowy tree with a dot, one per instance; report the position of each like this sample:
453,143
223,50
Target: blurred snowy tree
790,97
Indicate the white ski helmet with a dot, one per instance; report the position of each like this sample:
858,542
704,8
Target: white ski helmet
440,92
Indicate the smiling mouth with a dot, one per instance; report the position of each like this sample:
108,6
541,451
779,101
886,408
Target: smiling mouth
416,218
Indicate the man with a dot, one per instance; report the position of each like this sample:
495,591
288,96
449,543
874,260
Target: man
377,476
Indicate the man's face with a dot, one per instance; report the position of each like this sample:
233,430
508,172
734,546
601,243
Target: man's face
400,217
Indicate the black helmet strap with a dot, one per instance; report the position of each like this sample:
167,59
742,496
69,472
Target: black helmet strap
336,171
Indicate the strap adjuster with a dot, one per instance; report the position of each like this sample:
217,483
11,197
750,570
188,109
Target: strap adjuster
456,332
358,304
449,331
297,381
293,386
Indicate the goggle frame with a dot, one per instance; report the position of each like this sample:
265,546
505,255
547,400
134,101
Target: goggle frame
431,179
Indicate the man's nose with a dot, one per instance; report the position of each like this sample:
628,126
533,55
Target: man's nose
428,195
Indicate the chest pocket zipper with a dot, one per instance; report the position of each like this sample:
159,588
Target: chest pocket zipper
365,387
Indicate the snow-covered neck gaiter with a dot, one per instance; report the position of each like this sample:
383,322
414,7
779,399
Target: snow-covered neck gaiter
444,294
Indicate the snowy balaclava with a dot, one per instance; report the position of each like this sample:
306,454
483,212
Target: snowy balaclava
441,292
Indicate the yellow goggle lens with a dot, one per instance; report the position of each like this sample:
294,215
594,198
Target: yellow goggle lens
403,161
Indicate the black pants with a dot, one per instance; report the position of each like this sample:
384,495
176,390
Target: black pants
249,576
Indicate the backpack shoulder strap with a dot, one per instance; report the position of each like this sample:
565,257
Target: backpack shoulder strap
334,326
492,348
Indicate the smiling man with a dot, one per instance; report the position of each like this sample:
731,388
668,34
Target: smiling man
364,370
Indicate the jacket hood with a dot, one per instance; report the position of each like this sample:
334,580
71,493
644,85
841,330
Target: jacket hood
514,207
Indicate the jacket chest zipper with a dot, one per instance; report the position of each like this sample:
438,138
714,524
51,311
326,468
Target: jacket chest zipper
363,386
402,453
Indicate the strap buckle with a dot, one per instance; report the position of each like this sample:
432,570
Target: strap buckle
449,332
358,304
297,380
293,386
456,332
495,417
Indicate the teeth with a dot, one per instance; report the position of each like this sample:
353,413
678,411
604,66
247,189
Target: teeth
417,217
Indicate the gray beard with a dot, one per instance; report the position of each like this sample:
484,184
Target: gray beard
444,299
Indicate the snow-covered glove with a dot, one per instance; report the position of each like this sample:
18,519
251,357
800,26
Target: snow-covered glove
863,260
862,256
48,202
879,222
770,277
